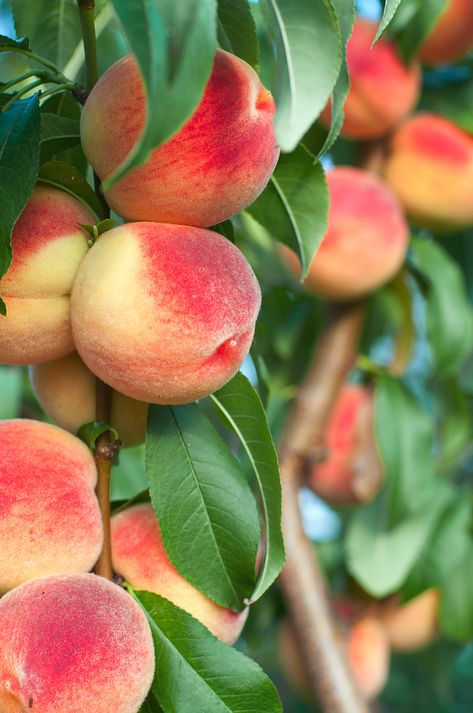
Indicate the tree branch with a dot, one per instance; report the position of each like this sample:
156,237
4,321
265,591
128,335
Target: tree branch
302,581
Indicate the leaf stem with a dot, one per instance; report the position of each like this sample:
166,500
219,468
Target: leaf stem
21,92
37,58
87,21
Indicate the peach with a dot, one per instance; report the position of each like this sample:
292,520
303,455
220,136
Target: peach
73,643
48,246
49,516
164,313
352,472
139,556
383,91
451,36
366,239
216,164
65,389
413,625
430,169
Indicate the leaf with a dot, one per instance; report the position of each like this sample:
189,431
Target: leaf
237,30
309,57
150,705
456,612
243,411
57,133
91,432
62,175
174,44
19,160
11,384
22,44
449,314
390,8
294,205
197,672
129,476
419,26
453,101
462,681
206,510
409,471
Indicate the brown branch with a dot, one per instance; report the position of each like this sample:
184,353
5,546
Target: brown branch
105,452
302,581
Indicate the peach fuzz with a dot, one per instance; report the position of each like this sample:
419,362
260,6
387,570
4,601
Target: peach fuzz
413,625
383,90
216,164
366,239
352,472
139,556
73,643
164,313
430,169
49,516
48,246
452,34
65,389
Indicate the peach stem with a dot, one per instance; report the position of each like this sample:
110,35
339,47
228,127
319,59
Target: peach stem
302,581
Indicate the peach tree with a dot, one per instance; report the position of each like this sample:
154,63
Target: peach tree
234,242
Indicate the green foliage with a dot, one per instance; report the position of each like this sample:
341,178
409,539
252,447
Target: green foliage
91,432
11,392
190,659
453,101
414,22
64,176
57,134
390,8
237,30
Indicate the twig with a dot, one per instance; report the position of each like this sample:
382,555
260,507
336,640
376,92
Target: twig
302,581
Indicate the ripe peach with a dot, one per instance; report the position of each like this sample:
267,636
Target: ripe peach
352,472
65,389
412,625
164,313
216,165
48,246
383,91
430,169
365,242
73,643
49,516
139,556
452,35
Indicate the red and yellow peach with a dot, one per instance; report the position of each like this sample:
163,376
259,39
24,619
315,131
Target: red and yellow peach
430,169
383,91
139,556
413,625
164,313
366,239
48,246
73,643
65,389
217,163
49,516
452,34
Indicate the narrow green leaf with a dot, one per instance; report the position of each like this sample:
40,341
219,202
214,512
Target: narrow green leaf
237,30
243,411
197,672
206,510
57,134
419,26
294,205
390,8
22,44
91,432
62,175
309,57
456,612
19,160
174,44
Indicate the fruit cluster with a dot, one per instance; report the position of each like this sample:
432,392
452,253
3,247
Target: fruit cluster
163,311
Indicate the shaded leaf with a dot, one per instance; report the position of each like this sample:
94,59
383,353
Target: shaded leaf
62,175
237,30
57,133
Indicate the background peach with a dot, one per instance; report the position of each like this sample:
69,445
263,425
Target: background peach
139,556
73,643
65,389
366,240
48,246
413,625
164,313
215,166
383,90
451,36
49,515
430,169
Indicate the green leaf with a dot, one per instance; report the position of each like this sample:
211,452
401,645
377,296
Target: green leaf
62,175
206,510
11,383
294,205
174,44
420,24
456,611
197,672
91,432
390,8
22,44
237,30
453,101
309,58
19,160
129,475
449,314
462,681
57,133
151,705
243,411
381,557
95,231
409,471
